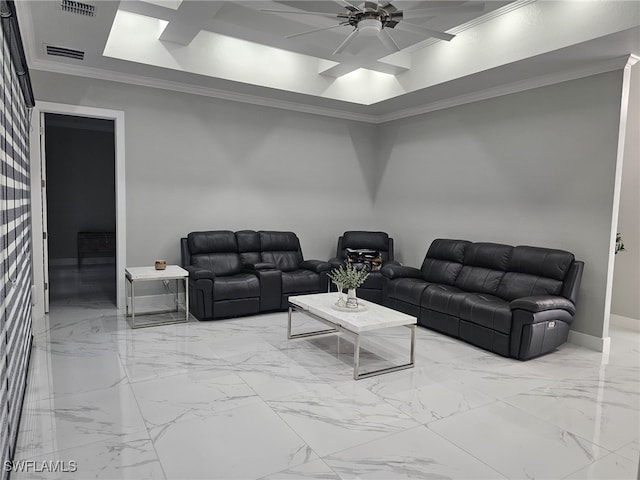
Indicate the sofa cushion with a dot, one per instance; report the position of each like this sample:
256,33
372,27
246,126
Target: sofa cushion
487,310
478,279
249,246
444,261
300,281
408,290
282,249
361,240
214,241
516,285
543,262
242,285
494,256
222,264
443,298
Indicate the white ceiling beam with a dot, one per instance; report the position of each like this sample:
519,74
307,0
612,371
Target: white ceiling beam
190,18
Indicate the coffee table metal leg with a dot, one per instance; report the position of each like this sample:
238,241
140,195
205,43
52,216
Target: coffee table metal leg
186,298
356,357
356,373
133,305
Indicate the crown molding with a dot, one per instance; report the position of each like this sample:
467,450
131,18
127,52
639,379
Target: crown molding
541,81
515,87
143,81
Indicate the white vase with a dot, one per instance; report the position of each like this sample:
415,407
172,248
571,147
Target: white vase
352,301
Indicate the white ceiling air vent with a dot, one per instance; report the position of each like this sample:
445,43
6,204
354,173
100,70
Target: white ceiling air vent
80,8
64,52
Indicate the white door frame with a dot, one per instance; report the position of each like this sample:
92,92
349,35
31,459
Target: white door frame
36,195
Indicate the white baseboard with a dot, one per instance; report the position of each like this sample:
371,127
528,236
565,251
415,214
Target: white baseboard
589,341
625,322
148,303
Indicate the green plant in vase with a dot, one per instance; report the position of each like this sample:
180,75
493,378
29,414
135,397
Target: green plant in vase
346,276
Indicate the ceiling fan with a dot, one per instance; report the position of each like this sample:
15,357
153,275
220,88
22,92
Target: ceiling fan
374,19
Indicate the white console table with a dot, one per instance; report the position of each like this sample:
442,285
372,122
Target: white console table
147,274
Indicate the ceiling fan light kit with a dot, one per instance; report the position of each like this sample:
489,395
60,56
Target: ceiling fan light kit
373,19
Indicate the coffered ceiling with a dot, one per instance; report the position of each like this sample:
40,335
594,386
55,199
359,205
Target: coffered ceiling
240,51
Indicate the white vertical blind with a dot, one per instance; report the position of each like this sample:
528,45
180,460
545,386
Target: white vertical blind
15,243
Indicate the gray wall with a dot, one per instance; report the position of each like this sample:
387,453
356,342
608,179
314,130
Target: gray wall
533,168
196,163
626,281
81,184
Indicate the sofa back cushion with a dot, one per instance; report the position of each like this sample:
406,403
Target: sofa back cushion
249,246
281,249
535,271
444,260
361,240
216,251
213,241
484,267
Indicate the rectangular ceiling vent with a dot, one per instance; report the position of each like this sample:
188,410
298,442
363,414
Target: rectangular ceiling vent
65,52
80,8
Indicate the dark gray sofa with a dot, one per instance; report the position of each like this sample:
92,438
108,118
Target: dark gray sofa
515,301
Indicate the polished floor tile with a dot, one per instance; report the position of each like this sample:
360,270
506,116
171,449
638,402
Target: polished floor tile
234,399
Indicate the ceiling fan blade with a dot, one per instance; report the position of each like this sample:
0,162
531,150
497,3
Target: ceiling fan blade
346,42
325,14
388,41
349,6
409,27
429,12
315,30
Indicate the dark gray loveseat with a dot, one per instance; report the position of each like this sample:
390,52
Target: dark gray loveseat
241,273
515,301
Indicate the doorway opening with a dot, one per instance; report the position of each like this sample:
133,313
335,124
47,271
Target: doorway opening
80,208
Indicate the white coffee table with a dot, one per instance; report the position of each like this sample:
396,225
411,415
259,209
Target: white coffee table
147,274
320,307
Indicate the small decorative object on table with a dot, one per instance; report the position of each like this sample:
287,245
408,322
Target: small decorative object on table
350,278
161,264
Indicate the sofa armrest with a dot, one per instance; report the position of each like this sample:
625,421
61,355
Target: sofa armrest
542,303
392,263
336,262
399,271
259,266
198,273
317,266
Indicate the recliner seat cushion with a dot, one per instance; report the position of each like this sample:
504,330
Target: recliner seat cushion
487,310
242,285
300,281
443,298
408,290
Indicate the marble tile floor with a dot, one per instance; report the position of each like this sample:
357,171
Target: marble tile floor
234,399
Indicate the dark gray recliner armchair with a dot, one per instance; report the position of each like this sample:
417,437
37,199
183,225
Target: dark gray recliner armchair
358,240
